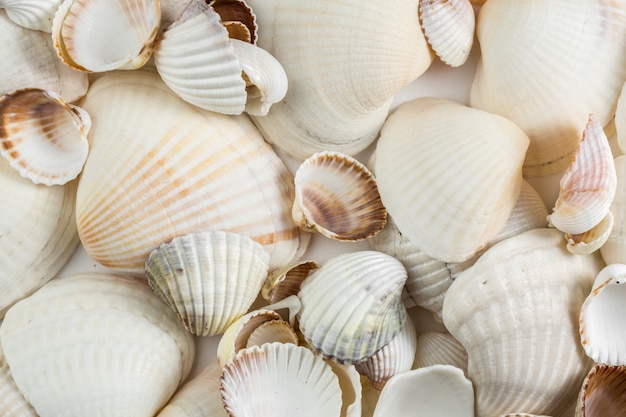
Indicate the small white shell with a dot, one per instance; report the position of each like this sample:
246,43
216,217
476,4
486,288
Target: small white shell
32,14
592,240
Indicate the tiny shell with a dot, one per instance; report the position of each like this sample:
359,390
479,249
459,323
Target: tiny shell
286,281
603,392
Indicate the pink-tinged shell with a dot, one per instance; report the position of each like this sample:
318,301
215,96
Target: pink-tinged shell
42,136
588,186
603,392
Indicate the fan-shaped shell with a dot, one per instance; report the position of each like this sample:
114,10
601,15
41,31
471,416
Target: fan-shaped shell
159,168
32,14
440,349
95,344
603,392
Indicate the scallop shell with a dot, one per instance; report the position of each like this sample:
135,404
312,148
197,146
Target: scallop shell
345,62
43,137
524,44
280,380
449,28
95,344
534,288
603,392
82,33
440,349
31,14
614,249
449,175
352,306
588,187
286,281
160,168
337,196
12,402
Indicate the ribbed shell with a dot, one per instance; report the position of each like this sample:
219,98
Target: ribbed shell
440,349
31,14
516,313
12,401
159,168
603,392
96,344
614,249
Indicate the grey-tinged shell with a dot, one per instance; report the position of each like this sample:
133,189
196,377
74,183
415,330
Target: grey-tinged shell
603,392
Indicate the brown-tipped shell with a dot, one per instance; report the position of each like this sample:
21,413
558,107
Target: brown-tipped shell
592,240
286,281
603,392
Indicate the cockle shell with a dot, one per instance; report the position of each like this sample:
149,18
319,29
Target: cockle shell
614,249
31,14
345,61
352,306
104,35
42,136
440,349
286,281
546,65
160,168
12,401
449,175
96,344
534,288
603,392
282,380
337,196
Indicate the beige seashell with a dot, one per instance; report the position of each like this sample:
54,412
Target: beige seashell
42,136
610,130
286,281
534,288
449,28
81,31
281,380
337,196
603,392
21,48
12,402
614,249
95,344
524,44
345,62
351,391
440,349
226,177
31,14
588,187
592,240
451,209
351,318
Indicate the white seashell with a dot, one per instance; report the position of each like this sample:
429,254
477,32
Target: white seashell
104,35
614,249
349,319
602,331
438,390
345,62
449,28
286,281
281,380
12,402
449,175
588,187
440,349
603,392
209,279
42,136
534,288
337,196
611,134
95,344
183,170
524,44
351,391
31,14
592,240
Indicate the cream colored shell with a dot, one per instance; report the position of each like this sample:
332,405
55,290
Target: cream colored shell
12,401
32,14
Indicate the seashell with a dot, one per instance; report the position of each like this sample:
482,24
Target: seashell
209,279
534,287
611,134
201,64
238,18
524,44
95,344
81,31
614,249
23,47
602,332
159,168
351,391
337,196
474,190
588,187
31,14
344,62
592,240
199,397
286,281
349,319
393,358
280,379
12,402
620,119
39,234
449,28
438,390
440,349
42,136
603,392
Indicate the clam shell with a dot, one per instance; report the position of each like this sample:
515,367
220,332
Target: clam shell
160,168
31,14
280,380
12,401
352,306
449,175
81,31
603,392
602,332
209,279
286,281
337,196
440,349
449,28
524,45
42,136
345,62
534,288
614,249
95,344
